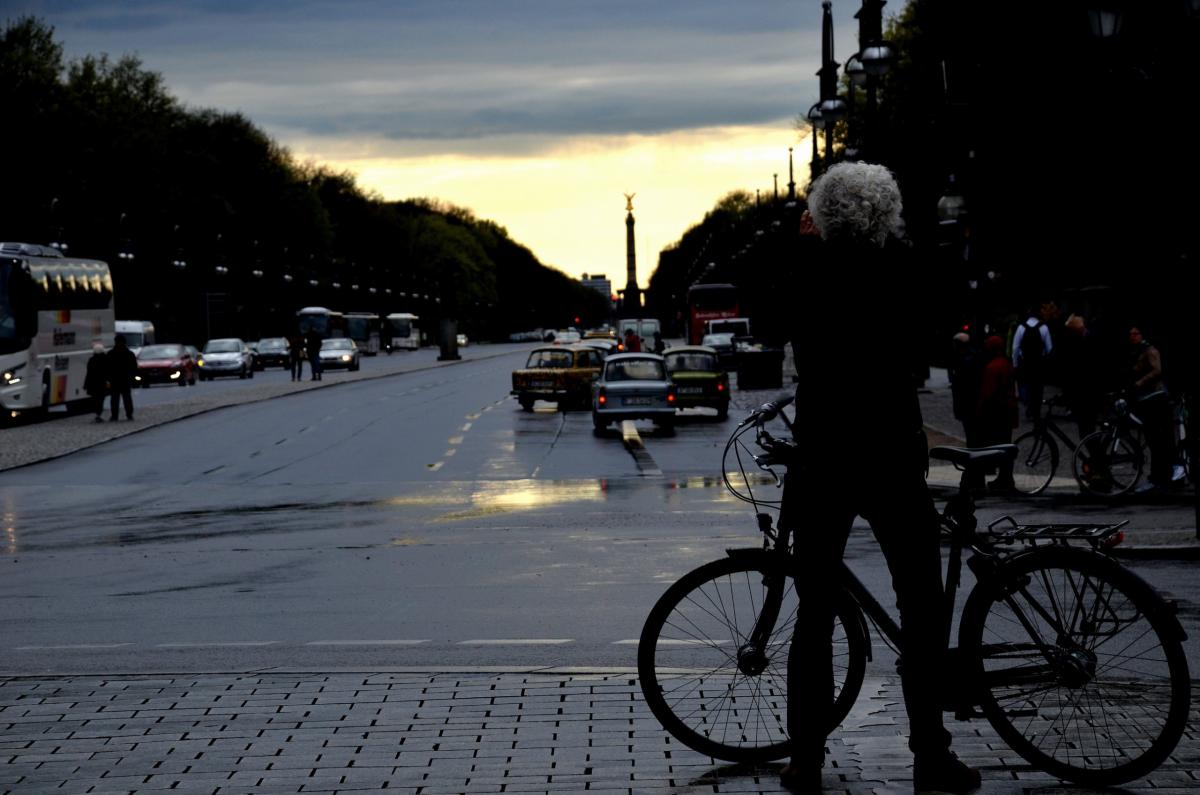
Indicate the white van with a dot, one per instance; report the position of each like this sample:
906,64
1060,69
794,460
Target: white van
644,327
737,326
137,333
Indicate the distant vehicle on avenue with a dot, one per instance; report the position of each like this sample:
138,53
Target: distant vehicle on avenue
165,364
226,356
562,374
137,333
634,386
699,378
273,352
341,353
724,345
52,309
400,331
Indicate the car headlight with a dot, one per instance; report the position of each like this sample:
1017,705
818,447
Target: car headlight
345,357
175,375
137,378
199,362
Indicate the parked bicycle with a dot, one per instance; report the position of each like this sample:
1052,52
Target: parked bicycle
1037,453
1109,462
1075,661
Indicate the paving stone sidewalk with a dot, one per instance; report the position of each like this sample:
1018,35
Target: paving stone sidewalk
427,733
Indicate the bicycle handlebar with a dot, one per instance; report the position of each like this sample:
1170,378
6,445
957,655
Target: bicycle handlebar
768,411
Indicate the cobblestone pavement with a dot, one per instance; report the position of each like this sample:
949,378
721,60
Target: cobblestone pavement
411,732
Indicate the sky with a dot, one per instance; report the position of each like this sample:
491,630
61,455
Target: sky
537,114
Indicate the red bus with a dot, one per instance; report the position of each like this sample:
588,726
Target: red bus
707,302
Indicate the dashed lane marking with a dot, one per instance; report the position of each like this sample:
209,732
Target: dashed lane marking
365,642
666,642
73,646
516,642
216,644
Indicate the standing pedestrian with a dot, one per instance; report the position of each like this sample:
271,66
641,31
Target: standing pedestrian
95,383
1153,408
964,372
122,367
659,345
870,411
1080,373
1032,345
312,344
296,356
996,410
633,343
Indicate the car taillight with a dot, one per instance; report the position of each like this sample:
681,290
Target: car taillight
601,398
671,395
720,386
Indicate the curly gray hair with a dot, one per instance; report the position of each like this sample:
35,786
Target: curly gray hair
856,201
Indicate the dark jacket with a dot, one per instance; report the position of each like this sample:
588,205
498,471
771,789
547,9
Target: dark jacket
95,383
856,403
122,367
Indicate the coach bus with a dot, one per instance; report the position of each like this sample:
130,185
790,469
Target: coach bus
52,310
325,322
400,330
363,328
707,302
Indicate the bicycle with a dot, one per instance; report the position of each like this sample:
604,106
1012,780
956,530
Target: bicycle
1109,462
1037,452
1074,660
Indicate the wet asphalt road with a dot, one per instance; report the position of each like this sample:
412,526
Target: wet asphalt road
415,520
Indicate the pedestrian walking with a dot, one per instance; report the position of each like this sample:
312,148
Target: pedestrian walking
996,408
122,367
1032,346
296,356
312,344
868,457
95,382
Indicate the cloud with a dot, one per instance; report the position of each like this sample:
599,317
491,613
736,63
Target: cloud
468,70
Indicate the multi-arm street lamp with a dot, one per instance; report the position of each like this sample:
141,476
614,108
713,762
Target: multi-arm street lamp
833,107
874,58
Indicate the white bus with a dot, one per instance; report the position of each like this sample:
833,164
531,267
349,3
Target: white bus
402,329
52,309
363,328
326,322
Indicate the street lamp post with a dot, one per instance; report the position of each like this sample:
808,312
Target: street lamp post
818,123
833,108
876,56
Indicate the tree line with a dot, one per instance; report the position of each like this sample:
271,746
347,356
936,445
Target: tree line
212,227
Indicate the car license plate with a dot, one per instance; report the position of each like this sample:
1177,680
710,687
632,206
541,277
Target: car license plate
691,390
637,401
542,384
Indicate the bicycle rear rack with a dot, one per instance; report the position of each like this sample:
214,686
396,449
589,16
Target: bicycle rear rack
1006,530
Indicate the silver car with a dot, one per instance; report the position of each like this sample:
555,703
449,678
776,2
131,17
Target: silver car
226,356
339,352
633,386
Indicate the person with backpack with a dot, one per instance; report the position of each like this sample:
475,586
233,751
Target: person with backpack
1032,345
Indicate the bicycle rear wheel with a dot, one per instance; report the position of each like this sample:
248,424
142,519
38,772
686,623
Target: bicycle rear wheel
1036,462
1078,665
1107,464
703,680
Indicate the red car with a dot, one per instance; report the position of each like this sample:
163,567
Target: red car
165,364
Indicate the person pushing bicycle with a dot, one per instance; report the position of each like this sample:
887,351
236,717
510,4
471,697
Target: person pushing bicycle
865,456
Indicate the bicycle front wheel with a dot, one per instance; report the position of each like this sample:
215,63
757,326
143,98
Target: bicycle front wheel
714,689
1078,665
1036,462
1107,464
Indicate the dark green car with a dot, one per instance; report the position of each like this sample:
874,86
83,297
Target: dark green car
698,377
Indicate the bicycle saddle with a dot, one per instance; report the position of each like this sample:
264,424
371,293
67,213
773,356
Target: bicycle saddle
974,456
